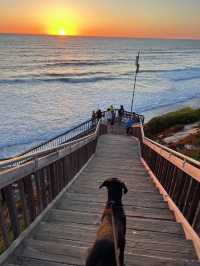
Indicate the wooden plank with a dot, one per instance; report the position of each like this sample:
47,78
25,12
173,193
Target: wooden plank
65,235
53,252
131,211
36,262
76,198
136,188
73,229
144,260
160,253
60,215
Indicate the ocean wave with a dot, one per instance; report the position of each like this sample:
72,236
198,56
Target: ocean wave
144,71
187,78
60,79
53,74
82,80
170,103
176,70
183,74
56,74
80,63
68,63
170,52
174,75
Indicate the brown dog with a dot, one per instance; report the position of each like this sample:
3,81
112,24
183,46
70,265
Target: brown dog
103,250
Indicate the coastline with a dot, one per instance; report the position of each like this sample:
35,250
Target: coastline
12,150
193,103
177,129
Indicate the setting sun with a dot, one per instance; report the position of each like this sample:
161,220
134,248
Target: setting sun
62,32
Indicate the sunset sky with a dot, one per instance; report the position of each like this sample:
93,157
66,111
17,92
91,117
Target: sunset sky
131,18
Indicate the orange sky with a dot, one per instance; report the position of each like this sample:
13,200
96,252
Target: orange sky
144,18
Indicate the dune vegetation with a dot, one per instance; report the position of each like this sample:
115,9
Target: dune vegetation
179,130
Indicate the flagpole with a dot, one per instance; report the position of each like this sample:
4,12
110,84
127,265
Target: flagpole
133,95
136,72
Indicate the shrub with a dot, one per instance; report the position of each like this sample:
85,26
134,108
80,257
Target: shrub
181,117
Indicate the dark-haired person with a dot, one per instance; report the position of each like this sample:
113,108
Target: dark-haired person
121,113
99,114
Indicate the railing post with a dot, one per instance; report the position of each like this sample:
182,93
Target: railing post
30,197
13,213
24,202
4,227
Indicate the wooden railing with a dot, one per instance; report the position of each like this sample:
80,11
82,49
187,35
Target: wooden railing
26,190
135,116
46,148
178,174
76,132
58,142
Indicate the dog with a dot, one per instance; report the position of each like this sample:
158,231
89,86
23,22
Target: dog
103,250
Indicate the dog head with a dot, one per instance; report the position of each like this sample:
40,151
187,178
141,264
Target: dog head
116,188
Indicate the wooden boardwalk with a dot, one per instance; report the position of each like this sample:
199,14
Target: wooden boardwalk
69,228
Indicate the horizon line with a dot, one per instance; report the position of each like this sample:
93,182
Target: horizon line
101,36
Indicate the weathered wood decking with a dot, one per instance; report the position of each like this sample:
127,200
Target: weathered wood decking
68,229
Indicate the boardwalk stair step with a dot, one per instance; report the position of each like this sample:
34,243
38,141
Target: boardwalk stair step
69,228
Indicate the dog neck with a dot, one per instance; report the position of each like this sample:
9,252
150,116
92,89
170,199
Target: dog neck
113,203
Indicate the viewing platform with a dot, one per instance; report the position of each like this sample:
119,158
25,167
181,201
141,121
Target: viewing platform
51,203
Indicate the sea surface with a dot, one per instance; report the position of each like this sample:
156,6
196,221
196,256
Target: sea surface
49,84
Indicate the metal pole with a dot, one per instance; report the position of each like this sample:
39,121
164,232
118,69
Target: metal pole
136,72
133,92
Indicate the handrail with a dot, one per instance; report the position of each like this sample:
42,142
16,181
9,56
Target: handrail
179,163
178,154
179,177
59,138
25,158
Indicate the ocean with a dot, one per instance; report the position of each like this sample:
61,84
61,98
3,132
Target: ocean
49,84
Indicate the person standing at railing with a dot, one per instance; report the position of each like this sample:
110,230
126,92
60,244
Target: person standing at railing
121,113
93,118
129,124
108,116
113,118
99,114
111,108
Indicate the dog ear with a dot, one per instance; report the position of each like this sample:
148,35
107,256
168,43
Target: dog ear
104,184
124,188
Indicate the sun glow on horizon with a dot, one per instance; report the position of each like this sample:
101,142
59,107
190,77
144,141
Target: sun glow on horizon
102,18
61,23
